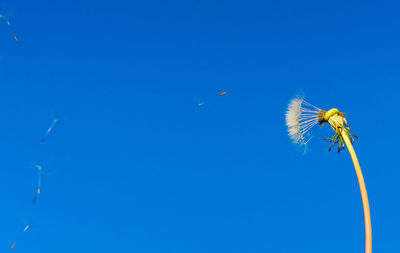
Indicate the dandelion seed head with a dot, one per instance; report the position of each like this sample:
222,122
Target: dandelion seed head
301,117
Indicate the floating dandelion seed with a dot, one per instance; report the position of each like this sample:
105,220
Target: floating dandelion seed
301,117
48,131
39,183
199,101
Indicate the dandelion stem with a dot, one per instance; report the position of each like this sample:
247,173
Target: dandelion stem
363,190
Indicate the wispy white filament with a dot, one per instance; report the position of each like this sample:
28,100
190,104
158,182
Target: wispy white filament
301,117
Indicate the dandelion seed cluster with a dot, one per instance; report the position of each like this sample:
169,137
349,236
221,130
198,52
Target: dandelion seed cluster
301,117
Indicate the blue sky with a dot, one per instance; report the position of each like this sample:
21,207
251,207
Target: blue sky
136,166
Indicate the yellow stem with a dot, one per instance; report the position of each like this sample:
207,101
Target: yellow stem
363,190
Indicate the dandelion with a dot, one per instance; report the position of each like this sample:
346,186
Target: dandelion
302,116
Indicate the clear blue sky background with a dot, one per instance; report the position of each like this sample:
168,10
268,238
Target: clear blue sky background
138,167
